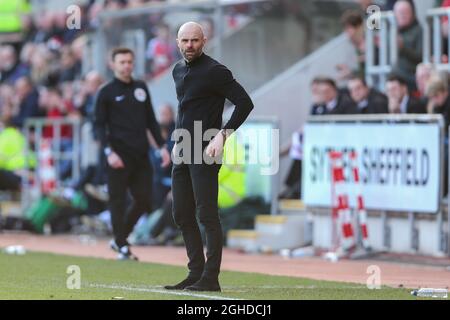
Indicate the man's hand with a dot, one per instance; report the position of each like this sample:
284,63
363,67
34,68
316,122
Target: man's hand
165,157
393,105
115,161
215,146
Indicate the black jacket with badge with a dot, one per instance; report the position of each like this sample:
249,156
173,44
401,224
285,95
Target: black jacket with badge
123,113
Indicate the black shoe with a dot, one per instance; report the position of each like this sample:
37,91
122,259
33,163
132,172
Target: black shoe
183,284
205,285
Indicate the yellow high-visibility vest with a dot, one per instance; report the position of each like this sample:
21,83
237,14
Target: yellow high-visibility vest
232,188
12,150
11,12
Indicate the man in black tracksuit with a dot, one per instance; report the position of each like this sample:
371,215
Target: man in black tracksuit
123,114
202,85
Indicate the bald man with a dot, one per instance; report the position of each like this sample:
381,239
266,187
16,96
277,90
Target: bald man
202,85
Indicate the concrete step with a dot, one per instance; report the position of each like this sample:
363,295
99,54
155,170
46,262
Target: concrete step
288,204
290,207
273,233
246,240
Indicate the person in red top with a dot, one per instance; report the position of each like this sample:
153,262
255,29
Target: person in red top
161,51
56,108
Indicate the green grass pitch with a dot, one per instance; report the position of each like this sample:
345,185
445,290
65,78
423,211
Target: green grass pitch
44,276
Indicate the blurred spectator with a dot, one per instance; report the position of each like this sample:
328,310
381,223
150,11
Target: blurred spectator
115,4
399,100
332,100
207,24
40,65
390,4
6,97
45,27
10,66
424,72
409,42
29,29
57,108
84,101
439,98
13,159
26,53
438,95
162,176
77,48
28,101
232,175
53,103
354,28
293,180
367,100
161,50
70,68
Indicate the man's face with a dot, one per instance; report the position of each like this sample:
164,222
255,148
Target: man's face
8,59
123,65
22,88
327,92
358,91
395,90
403,14
191,43
352,33
92,83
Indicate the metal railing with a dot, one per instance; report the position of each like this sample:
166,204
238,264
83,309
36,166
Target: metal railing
433,38
34,131
381,48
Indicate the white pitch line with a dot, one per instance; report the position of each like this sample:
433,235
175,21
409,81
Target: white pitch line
176,293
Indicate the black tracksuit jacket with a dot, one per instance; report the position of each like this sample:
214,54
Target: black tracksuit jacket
123,113
202,87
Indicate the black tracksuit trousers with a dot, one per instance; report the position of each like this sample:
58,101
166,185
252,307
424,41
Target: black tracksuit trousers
136,178
195,189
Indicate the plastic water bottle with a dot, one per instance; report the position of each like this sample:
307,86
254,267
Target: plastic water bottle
430,293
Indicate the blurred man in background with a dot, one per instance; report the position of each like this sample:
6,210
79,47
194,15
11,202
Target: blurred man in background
368,100
124,113
399,99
